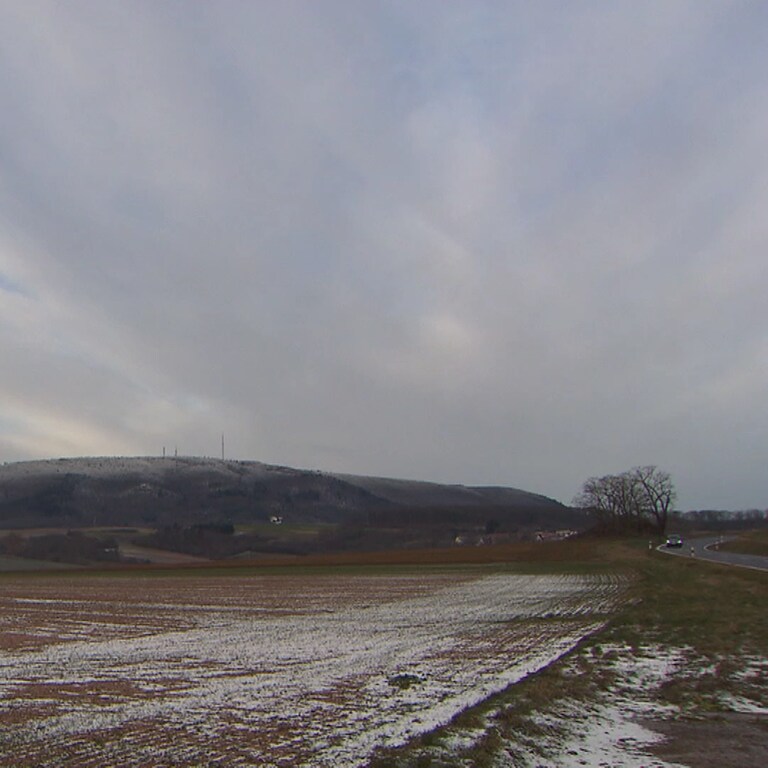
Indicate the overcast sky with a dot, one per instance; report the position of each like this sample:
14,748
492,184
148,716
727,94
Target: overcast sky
517,243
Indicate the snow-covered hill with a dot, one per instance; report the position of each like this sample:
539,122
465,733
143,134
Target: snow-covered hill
187,490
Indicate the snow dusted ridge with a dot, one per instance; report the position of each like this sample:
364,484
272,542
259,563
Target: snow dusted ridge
186,490
115,466
269,671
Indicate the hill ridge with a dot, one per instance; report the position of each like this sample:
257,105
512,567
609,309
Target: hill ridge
154,490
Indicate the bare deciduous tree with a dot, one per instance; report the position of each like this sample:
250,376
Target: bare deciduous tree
657,493
639,499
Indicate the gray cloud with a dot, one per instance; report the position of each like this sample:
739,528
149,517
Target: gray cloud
481,243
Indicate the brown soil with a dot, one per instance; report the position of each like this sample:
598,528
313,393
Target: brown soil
729,740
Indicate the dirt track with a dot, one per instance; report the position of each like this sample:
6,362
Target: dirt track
727,740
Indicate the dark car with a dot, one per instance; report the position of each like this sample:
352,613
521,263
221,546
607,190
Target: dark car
674,540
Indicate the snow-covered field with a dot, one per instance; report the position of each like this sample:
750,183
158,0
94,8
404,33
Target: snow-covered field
290,670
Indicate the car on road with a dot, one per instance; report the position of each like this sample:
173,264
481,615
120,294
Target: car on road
674,540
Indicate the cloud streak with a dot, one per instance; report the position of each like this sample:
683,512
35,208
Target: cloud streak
486,243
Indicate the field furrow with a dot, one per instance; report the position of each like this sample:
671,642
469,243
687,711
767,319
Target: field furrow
270,671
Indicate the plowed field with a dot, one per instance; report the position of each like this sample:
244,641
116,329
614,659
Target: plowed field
270,670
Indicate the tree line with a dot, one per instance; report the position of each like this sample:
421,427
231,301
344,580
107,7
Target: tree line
639,499
721,519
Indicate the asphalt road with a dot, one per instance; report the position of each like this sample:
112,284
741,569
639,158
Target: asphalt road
706,549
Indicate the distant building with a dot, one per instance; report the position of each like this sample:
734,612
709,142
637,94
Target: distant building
554,535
